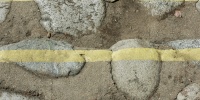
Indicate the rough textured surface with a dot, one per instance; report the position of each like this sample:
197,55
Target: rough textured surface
191,92
13,96
136,78
71,16
50,68
94,82
4,9
125,19
173,78
161,7
131,43
198,5
110,0
182,44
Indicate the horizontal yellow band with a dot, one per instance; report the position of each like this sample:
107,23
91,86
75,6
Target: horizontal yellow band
135,54
157,55
55,55
180,55
99,55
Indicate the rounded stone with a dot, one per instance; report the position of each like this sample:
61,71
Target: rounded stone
191,92
72,17
182,44
137,78
161,7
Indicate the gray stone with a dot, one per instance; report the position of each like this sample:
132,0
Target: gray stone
161,7
182,44
4,9
13,96
191,92
131,43
138,78
110,0
49,68
71,16
198,5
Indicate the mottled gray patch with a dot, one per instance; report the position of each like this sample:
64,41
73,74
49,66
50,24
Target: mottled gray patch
71,16
50,68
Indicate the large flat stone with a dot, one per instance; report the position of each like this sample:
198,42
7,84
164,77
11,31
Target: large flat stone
93,83
49,68
71,16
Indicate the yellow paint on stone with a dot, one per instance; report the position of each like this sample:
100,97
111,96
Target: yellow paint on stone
99,55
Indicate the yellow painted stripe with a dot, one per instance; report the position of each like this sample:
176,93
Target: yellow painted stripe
39,56
180,55
157,55
95,55
55,55
135,54
99,55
